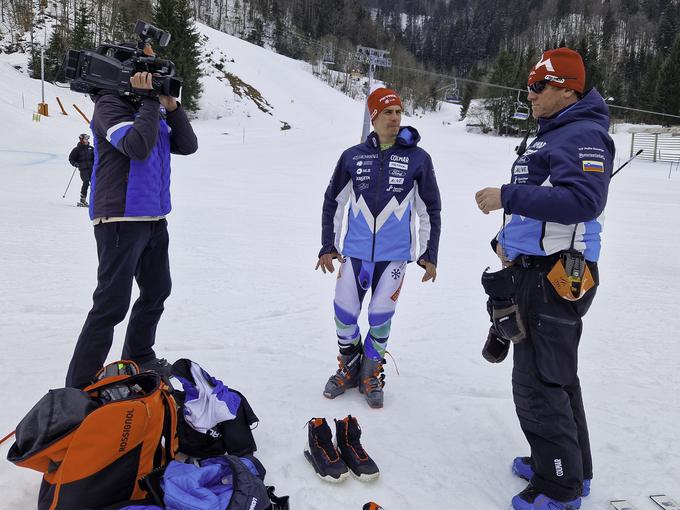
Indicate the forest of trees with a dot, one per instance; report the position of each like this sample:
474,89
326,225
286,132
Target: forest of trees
631,47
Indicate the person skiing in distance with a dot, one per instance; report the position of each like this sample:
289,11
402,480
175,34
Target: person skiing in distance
387,180
82,157
550,243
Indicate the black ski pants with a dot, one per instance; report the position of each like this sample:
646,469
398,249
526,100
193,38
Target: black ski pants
85,176
127,251
546,387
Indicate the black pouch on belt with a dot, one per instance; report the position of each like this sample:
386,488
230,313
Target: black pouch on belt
500,287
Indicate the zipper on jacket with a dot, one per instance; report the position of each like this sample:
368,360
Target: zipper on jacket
375,203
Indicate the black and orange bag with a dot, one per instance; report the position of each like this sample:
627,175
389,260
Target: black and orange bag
94,445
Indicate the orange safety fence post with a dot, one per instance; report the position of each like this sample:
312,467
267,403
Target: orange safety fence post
7,436
63,112
81,113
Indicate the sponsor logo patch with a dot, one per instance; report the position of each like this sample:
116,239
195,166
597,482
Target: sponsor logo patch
593,166
397,173
396,180
520,169
400,166
401,159
394,189
363,178
362,186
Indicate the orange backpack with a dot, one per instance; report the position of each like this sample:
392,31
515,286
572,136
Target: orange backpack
93,446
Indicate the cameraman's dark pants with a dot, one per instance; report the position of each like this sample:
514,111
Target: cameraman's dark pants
545,385
127,250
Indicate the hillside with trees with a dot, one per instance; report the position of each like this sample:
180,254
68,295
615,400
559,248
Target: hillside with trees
631,48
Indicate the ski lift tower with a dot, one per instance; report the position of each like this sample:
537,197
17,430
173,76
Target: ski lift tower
374,58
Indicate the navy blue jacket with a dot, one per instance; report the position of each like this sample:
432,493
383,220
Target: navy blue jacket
132,145
559,186
385,191
82,157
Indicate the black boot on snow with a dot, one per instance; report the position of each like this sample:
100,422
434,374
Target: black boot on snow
322,454
348,437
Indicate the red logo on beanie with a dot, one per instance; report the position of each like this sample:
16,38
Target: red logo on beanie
561,67
380,99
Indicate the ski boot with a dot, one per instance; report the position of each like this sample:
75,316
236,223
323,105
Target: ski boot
348,436
347,375
83,203
372,381
531,499
522,467
321,453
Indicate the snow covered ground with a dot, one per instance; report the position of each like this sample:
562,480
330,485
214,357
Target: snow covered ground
249,307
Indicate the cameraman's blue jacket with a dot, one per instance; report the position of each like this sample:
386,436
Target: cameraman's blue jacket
385,191
132,146
559,185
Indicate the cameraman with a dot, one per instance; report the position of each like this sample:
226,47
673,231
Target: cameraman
130,197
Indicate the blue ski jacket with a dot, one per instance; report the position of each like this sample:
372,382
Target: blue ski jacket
132,146
385,190
559,185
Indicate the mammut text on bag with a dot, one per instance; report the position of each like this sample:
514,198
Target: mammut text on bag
93,446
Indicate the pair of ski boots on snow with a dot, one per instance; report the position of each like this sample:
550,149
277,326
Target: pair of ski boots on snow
333,462
358,370
531,499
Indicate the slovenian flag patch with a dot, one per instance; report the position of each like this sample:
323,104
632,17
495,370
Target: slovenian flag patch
593,166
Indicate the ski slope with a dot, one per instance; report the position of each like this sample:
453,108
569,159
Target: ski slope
248,306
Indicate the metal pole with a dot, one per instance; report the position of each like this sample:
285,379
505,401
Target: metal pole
367,116
42,72
69,182
42,58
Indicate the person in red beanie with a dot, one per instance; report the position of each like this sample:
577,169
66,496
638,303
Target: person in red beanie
387,181
552,222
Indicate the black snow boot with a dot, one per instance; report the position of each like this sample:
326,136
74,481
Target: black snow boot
322,454
348,437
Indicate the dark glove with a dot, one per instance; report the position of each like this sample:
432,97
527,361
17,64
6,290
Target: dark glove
502,308
496,347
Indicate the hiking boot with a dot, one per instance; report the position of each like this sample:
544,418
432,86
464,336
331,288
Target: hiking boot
347,375
321,453
531,499
158,365
523,468
348,435
372,381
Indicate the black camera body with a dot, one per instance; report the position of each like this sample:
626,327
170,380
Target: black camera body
110,66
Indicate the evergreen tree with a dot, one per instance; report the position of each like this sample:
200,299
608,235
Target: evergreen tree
125,15
175,16
80,37
55,51
667,95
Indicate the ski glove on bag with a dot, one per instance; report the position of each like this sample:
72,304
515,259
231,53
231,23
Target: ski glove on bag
502,306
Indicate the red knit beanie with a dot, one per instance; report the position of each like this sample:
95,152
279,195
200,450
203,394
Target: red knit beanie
380,99
562,68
